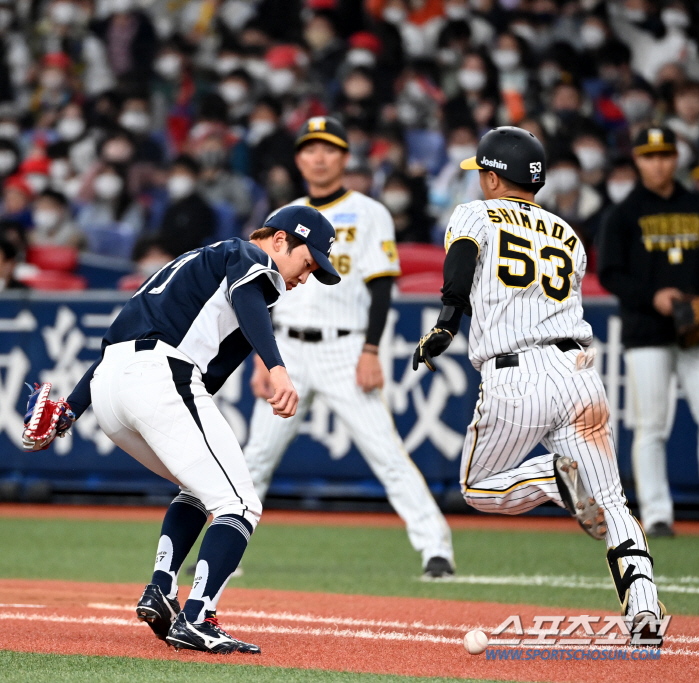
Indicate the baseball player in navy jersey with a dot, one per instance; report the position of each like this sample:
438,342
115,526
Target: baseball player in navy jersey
329,338
516,270
172,346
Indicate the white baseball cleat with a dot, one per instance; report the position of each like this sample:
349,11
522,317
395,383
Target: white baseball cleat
577,500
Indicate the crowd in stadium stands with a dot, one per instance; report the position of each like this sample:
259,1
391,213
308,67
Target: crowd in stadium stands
141,129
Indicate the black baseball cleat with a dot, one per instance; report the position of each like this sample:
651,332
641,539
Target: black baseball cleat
660,530
157,610
438,568
577,500
648,635
206,637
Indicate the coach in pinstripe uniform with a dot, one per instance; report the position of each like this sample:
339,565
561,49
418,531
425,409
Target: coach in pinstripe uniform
330,345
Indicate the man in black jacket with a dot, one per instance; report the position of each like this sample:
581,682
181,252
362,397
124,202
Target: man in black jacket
649,256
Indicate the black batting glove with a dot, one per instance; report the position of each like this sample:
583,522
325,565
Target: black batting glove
434,343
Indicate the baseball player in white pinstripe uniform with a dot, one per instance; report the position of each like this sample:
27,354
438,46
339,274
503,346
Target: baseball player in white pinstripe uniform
330,345
516,269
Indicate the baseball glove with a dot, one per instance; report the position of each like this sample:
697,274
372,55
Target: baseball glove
45,419
435,342
685,313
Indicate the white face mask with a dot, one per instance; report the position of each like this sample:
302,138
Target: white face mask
592,36
456,12
505,60
549,76
636,109
590,158
9,131
394,15
45,219
525,32
63,13
135,121
120,6
472,80
59,169
396,201
618,190
8,160
180,186
457,153
108,186
70,129
563,180
259,130
233,92
37,181
280,81
257,68
227,64
361,57
168,66
674,18
236,13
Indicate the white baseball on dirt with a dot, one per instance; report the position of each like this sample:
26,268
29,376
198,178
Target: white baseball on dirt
475,641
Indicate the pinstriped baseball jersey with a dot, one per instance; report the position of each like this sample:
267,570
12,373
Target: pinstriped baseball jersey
364,249
526,288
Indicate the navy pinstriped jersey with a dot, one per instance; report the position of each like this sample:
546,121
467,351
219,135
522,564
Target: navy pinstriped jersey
187,304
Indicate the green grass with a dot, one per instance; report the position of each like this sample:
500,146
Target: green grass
342,560
40,668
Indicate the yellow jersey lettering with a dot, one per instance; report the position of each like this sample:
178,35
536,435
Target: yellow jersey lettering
506,216
525,220
541,227
493,215
557,231
571,242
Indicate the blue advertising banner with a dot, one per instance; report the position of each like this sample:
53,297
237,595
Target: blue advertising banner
55,338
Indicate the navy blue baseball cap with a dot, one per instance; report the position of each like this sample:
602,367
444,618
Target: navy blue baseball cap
313,228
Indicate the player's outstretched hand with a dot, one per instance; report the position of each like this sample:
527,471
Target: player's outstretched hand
434,343
369,373
260,382
285,399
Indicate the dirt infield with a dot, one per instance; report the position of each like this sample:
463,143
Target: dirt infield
408,636
304,518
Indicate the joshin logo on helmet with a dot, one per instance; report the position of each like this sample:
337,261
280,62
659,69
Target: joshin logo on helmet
302,230
494,163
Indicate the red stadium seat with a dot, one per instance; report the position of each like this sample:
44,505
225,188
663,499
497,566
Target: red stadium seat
421,283
420,258
55,280
64,259
592,287
130,282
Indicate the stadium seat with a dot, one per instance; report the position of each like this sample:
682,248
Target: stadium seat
56,280
421,283
420,258
64,259
591,286
130,282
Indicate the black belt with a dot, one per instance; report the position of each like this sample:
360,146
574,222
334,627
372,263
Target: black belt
312,335
511,360
145,344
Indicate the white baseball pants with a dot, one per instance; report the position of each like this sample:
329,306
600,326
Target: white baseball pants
328,368
547,399
153,405
651,370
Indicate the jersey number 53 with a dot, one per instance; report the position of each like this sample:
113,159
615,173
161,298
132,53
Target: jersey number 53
515,248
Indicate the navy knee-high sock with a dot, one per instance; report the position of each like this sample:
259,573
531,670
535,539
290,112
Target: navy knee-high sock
221,550
184,520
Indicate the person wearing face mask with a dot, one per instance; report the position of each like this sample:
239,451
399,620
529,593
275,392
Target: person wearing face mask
568,197
648,255
621,180
189,219
109,219
327,49
477,80
592,155
650,51
9,158
54,88
270,144
53,225
135,118
358,98
408,213
453,185
685,122
235,90
35,171
17,197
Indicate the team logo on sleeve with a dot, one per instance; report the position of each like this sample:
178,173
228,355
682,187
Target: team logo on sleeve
389,247
302,230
